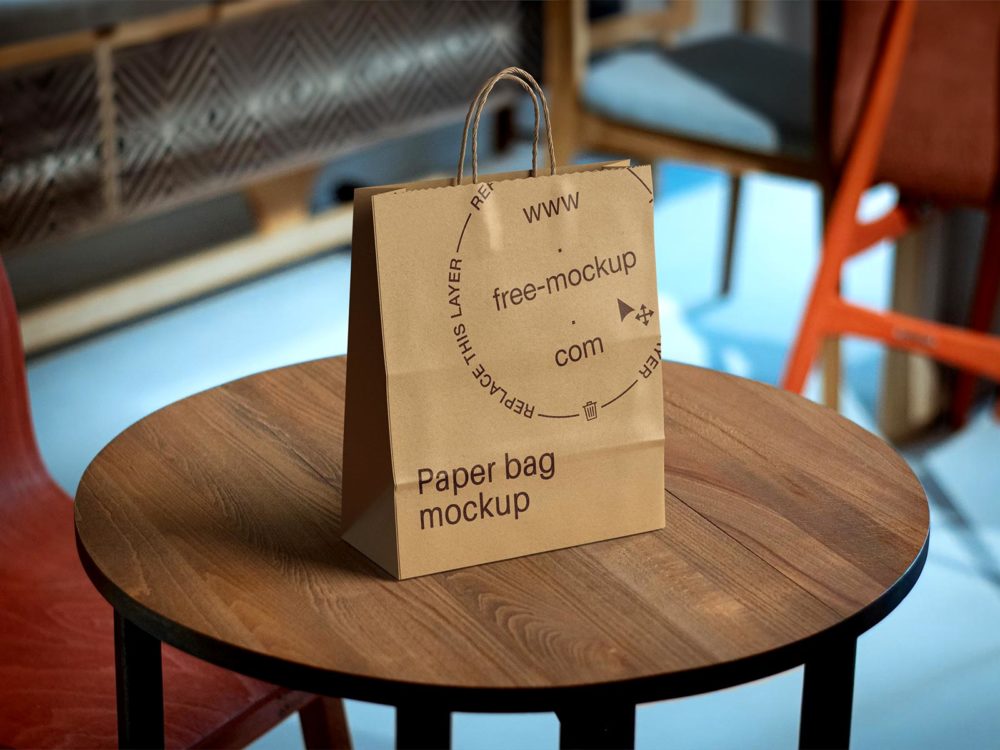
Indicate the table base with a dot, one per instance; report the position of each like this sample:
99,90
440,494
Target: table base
828,698
138,686
827,701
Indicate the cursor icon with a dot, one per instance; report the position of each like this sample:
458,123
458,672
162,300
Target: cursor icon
624,309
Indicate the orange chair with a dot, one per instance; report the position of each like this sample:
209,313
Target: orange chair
916,103
57,662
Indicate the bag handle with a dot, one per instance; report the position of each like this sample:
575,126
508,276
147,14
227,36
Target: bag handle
524,79
545,106
476,107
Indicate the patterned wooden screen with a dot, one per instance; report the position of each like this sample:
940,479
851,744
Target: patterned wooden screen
209,109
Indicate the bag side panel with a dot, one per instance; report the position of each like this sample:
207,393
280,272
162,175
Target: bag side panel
368,522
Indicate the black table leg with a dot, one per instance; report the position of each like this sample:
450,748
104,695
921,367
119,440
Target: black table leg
827,698
605,726
139,686
421,727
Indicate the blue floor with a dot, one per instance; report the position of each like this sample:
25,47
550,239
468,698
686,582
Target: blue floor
928,676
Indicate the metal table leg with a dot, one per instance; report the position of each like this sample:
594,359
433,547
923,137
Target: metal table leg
422,728
827,698
594,727
139,686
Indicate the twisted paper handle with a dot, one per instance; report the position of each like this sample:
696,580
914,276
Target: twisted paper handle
529,84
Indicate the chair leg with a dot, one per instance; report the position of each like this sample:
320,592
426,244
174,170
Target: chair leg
981,314
732,210
324,725
804,352
831,344
838,227
831,372
812,329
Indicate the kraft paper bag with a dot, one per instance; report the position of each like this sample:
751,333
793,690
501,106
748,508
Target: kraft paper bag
503,392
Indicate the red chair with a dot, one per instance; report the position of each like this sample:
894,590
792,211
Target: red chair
57,665
916,103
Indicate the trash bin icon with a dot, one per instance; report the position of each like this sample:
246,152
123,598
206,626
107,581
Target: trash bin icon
590,410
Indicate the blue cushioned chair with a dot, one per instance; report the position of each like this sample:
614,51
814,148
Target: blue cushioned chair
620,84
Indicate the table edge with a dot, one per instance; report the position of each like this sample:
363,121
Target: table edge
646,689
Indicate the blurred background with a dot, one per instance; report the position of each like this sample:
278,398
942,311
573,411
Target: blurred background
175,212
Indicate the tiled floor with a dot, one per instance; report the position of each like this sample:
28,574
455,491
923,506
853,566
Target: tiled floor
928,676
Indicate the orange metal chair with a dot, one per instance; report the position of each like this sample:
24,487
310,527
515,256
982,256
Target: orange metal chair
57,661
984,303
916,103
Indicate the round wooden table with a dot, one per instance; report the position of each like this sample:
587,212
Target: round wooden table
213,525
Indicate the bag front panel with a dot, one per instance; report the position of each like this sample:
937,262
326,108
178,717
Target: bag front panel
521,342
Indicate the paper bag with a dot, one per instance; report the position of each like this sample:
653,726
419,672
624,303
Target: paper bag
503,392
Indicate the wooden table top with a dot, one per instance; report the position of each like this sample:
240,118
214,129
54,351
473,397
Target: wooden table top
214,525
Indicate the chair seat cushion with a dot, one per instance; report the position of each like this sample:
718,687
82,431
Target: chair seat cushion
737,91
57,673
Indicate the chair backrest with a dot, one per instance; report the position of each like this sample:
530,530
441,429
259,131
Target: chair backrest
942,141
659,25
19,457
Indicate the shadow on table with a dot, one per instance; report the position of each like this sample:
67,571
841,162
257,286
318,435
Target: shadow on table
264,530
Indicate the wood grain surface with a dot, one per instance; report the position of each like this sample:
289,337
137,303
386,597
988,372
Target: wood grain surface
214,525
